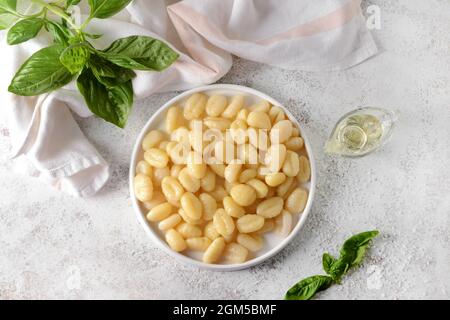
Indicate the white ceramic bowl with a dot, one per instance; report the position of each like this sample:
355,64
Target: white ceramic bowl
273,242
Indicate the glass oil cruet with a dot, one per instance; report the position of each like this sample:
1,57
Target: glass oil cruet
361,132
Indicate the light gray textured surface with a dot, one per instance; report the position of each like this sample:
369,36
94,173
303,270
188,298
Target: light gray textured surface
56,246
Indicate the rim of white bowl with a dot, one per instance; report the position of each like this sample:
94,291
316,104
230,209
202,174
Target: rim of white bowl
188,260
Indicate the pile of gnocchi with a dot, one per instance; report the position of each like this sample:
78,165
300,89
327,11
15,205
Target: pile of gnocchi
221,175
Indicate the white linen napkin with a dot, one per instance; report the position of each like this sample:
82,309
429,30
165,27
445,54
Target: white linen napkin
292,34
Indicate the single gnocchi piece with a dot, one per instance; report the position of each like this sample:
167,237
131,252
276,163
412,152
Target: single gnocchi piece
145,168
232,171
198,243
252,242
191,205
156,157
281,132
249,223
216,105
189,230
174,119
291,165
235,253
284,223
188,182
276,154
276,114
214,251
270,208
143,187
175,240
171,188
275,179
304,173
195,106
259,120
210,231
295,144
236,104
232,208
152,139
160,212
209,206
296,201
223,223
243,194
169,222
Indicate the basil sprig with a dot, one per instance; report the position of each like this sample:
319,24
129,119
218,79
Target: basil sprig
104,77
351,255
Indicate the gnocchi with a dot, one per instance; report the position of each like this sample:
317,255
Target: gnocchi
223,192
251,242
250,223
214,251
235,253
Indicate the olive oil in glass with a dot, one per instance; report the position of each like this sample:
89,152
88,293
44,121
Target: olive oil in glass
361,132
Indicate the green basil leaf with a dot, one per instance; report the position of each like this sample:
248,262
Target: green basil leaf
6,20
351,254
108,73
8,6
141,53
41,73
338,269
307,288
72,3
354,248
327,262
24,30
103,9
60,33
111,104
74,57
